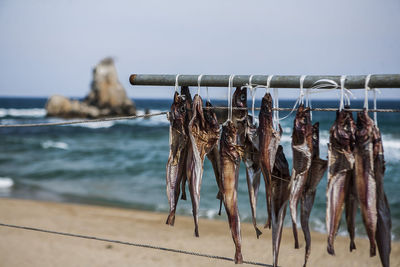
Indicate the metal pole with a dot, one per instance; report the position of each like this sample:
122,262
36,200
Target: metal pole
278,81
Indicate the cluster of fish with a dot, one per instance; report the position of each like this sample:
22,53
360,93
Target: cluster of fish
355,178
352,177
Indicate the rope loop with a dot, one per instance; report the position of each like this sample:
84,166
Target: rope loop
367,79
198,83
342,81
176,82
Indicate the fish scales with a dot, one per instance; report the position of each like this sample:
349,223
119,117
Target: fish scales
302,157
365,176
176,160
340,166
269,140
204,134
315,174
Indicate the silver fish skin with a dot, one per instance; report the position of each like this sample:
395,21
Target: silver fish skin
280,179
230,162
340,164
302,157
315,174
185,93
269,140
251,160
384,222
365,176
203,134
176,159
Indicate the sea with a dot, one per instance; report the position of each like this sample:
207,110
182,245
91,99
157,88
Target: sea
122,163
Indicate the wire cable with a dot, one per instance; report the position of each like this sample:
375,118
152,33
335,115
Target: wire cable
130,244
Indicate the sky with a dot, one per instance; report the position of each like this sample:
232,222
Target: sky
50,47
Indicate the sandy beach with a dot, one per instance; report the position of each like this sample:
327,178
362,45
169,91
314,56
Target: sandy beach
28,248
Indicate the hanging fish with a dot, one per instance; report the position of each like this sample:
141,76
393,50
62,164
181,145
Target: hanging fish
204,134
176,159
302,157
268,144
315,174
365,176
251,159
341,166
230,162
213,155
384,222
185,92
280,179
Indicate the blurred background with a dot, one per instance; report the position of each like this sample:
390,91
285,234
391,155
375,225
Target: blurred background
52,47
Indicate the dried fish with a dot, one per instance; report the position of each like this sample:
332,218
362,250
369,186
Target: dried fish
176,160
230,162
384,222
268,144
315,174
340,165
185,92
204,134
251,159
302,157
280,179
365,176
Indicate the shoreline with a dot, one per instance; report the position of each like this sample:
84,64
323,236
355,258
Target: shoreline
21,247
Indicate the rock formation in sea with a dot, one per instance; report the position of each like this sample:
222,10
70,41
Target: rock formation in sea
107,97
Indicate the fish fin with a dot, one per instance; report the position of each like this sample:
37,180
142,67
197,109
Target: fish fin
258,232
220,207
183,196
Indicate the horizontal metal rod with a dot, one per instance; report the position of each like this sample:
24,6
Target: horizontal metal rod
278,81
312,109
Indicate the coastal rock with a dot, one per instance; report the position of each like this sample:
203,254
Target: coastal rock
107,97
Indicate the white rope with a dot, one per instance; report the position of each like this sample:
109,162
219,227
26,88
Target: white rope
269,82
302,78
253,97
276,111
366,91
198,83
176,82
342,80
208,96
230,83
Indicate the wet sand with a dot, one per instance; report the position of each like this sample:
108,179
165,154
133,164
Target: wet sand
28,248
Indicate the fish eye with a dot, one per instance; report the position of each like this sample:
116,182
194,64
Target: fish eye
182,109
242,97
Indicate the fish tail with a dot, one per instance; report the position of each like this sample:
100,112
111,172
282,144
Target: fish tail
372,249
352,245
171,219
296,239
183,196
330,248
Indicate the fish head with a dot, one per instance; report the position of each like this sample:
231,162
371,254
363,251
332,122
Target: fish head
364,126
265,115
302,124
197,109
239,100
186,92
344,129
178,112
229,133
210,117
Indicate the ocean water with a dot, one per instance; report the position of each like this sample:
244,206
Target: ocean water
122,163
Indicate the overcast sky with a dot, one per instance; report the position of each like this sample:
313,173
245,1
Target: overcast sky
50,47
